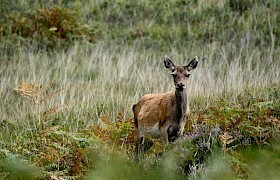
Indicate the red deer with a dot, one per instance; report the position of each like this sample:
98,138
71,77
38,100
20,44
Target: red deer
164,115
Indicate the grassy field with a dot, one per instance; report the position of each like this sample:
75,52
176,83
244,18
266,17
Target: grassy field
66,94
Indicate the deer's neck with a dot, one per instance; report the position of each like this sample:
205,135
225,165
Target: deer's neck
181,105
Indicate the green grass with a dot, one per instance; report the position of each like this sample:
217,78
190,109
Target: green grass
105,55
99,85
155,24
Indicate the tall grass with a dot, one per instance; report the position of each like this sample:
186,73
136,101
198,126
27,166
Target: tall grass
106,80
101,82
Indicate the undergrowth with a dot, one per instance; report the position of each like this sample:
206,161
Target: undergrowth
224,135
58,24
73,118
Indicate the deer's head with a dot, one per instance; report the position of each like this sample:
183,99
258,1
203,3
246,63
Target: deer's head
180,74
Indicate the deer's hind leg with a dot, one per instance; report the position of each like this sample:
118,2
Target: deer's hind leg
142,144
138,144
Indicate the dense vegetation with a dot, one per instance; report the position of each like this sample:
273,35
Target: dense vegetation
156,24
71,70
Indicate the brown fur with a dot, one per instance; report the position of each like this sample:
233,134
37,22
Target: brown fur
154,107
164,115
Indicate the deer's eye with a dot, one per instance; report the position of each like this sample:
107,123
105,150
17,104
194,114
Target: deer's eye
187,75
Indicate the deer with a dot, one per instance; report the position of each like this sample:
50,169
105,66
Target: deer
164,115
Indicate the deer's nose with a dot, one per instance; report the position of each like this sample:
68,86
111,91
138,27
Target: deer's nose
180,86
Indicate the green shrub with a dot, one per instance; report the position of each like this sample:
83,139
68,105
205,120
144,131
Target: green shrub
150,22
49,26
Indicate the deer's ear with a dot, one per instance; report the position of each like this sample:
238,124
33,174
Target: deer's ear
168,63
193,64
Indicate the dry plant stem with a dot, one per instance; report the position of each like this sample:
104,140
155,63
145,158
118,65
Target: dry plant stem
32,92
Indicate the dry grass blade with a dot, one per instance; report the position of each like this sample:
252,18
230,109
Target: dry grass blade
39,91
30,91
47,97
27,90
52,110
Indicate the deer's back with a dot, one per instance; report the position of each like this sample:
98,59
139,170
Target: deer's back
154,109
